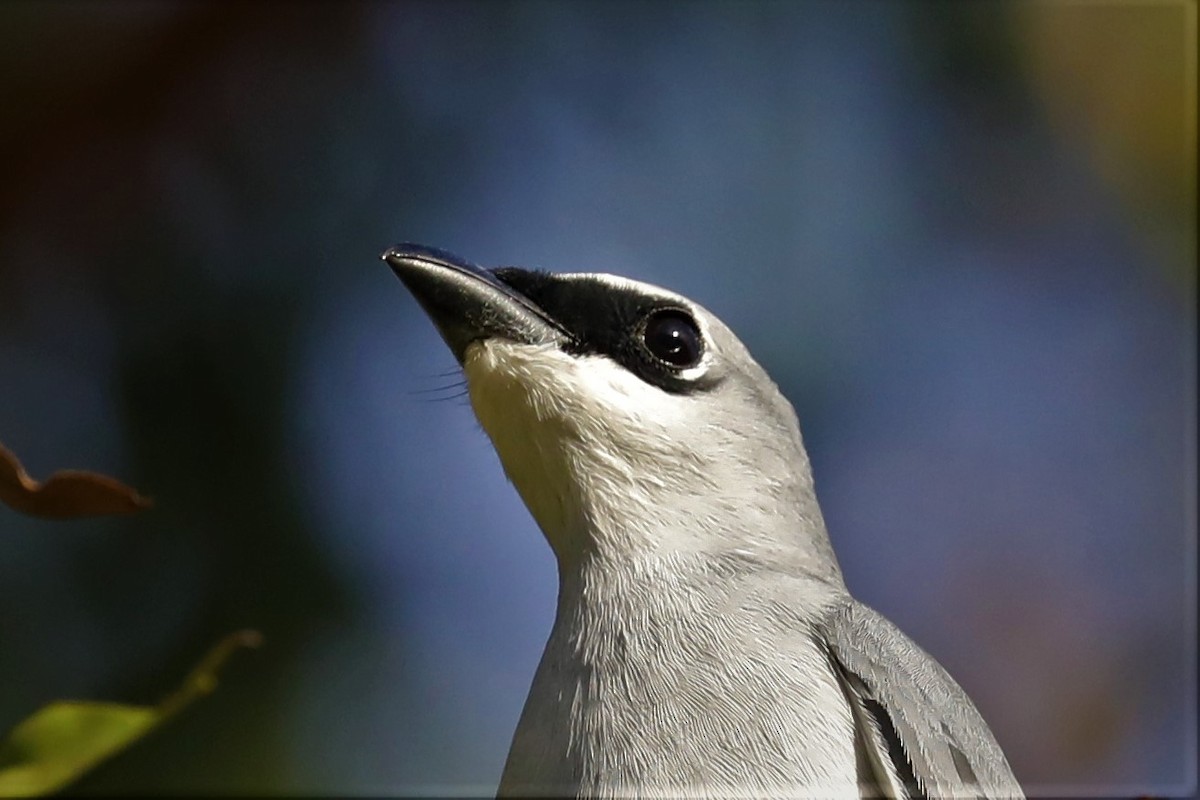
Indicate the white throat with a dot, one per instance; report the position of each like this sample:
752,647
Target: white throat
584,443
615,468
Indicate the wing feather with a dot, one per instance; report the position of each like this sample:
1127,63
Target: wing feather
919,733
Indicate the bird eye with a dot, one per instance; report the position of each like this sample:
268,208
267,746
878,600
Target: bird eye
672,336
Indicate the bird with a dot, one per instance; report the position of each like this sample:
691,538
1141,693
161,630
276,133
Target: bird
704,641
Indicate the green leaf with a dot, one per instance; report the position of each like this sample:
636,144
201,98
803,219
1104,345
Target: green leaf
63,740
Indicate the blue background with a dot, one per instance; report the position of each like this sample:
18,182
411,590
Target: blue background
961,237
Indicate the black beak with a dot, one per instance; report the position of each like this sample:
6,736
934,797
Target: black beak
468,303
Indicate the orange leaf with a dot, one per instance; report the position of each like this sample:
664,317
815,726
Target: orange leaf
65,494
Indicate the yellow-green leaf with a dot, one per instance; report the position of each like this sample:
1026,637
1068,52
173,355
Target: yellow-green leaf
63,740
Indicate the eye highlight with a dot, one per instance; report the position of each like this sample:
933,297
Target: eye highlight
671,336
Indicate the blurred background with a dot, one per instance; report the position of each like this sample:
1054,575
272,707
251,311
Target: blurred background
960,236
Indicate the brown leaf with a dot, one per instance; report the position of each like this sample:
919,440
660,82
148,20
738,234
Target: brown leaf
66,494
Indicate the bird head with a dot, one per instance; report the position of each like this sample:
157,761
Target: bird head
631,420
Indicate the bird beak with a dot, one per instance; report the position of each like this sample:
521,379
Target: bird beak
468,303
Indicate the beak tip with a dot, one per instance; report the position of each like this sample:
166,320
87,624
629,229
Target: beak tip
465,301
406,252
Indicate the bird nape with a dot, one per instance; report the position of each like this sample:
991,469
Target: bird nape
705,643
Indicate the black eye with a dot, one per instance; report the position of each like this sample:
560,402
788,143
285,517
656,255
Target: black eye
672,336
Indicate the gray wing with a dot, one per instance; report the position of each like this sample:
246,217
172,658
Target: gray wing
917,733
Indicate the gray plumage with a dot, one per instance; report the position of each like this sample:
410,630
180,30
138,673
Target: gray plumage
704,643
